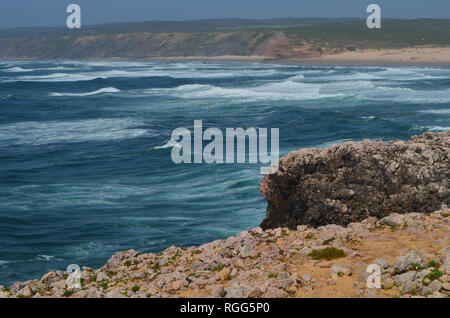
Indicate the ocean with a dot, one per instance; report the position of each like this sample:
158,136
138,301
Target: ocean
85,147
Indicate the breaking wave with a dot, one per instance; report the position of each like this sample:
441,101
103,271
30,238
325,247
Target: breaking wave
42,133
99,91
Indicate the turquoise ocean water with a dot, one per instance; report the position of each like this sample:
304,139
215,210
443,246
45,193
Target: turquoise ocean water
85,166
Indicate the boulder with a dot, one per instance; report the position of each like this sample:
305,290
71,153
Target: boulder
247,251
273,292
338,269
238,291
114,263
413,258
101,276
114,294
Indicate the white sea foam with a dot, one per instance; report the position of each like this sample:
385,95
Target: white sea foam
3,263
170,144
142,72
99,91
296,77
385,91
424,97
350,77
437,128
331,143
435,111
56,77
411,74
430,128
292,90
41,133
57,68
114,63
17,69
152,219
286,90
47,258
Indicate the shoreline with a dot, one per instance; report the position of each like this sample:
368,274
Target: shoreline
413,56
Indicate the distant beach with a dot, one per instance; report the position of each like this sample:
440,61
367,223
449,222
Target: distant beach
406,56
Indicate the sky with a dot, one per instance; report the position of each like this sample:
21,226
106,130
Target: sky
15,13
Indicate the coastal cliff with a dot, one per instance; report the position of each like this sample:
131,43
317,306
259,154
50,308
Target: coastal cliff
266,39
396,217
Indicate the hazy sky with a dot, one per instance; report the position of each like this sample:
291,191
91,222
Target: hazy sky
52,12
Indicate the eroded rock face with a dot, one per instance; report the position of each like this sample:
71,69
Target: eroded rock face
352,181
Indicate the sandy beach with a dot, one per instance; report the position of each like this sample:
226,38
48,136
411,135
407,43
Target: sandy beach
407,56
414,55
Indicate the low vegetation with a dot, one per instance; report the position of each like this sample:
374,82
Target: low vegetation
328,254
281,38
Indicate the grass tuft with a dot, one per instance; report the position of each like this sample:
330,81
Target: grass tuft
328,254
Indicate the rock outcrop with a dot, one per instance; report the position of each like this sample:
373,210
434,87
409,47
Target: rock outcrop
329,261
352,181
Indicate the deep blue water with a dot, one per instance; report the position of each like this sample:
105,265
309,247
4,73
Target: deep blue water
85,166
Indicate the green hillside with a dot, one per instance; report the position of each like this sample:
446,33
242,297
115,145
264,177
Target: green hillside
276,38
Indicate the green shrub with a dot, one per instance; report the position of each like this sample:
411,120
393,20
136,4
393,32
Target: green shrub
435,274
328,254
414,267
136,288
127,263
434,264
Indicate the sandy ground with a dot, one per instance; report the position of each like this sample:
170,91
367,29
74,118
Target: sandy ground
228,58
422,55
408,56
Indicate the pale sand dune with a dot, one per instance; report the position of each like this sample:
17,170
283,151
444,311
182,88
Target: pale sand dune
419,55
416,55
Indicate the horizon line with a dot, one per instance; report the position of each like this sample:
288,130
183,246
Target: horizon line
62,26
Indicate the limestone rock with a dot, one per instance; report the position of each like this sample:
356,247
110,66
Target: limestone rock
349,182
336,269
114,263
247,251
403,263
273,292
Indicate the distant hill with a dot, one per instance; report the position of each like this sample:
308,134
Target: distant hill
210,25
274,38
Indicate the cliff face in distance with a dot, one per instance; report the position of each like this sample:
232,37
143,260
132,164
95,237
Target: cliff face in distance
350,182
272,39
